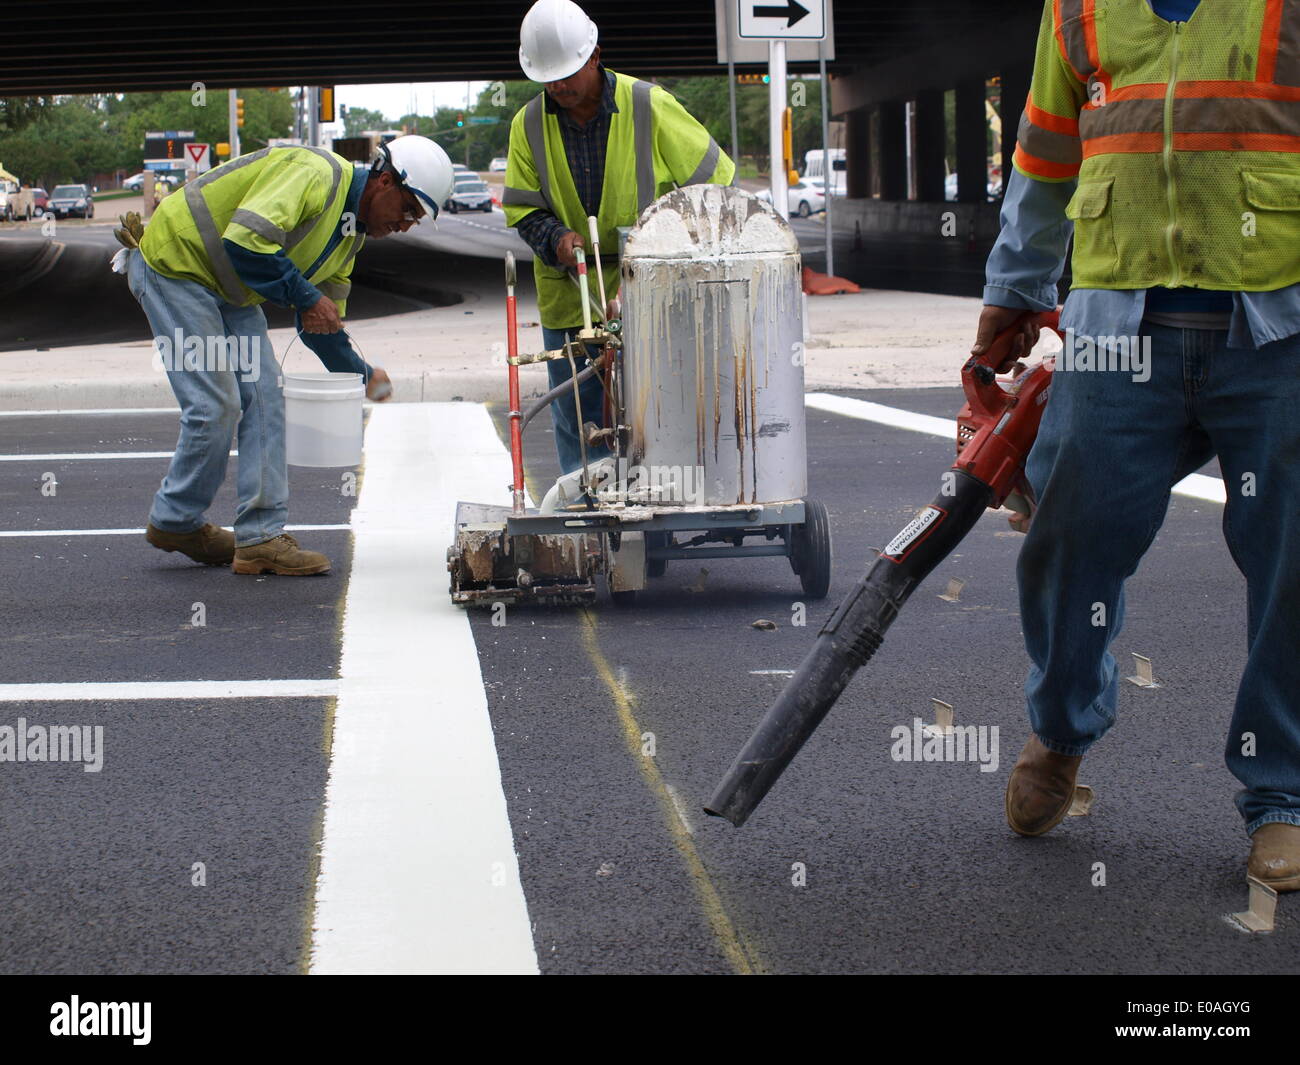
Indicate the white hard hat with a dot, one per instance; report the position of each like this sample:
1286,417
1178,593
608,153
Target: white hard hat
555,40
422,166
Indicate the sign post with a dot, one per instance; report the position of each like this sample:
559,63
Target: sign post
200,157
778,23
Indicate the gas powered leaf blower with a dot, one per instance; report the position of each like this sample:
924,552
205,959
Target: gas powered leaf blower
995,430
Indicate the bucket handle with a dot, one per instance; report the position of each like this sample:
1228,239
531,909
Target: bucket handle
283,359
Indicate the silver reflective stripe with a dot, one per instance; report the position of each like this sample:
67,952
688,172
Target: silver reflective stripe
1287,70
231,288
335,290
644,137
537,145
522,198
263,227
300,232
228,168
707,165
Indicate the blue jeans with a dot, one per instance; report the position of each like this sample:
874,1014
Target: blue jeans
214,399
1109,450
563,416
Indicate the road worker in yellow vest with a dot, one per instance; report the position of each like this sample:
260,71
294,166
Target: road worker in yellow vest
285,225
1166,135
599,143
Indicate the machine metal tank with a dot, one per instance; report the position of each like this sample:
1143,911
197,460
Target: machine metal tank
713,357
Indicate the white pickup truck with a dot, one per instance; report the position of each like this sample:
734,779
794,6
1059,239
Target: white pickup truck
16,202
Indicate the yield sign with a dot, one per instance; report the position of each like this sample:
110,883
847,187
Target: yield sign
199,158
787,20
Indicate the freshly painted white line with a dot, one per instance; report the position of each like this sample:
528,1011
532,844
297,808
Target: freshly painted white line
877,412
20,533
1195,485
418,867
103,691
82,456
104,410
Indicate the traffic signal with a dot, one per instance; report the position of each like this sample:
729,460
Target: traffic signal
239,111
460,120
325,112
753,79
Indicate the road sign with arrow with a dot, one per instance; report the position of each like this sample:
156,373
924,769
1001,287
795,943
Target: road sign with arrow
789,20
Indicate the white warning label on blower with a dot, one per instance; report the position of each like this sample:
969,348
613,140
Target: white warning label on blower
913,532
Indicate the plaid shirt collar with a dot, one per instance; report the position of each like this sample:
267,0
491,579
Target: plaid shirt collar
607,105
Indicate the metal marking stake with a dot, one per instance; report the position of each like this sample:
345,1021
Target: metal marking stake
953,593
1259,916
1144,677
1082,800
943,719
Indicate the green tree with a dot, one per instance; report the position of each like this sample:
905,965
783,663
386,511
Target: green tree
359,119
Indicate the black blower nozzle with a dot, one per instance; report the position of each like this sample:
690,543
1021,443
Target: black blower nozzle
847,642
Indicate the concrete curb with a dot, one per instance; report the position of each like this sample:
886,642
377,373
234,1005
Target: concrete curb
152,390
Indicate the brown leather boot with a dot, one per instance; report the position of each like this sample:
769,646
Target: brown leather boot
1275,856
1040,788
210,545
280,555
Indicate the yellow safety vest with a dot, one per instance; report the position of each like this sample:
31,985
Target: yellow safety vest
1184,137
654,147
288,199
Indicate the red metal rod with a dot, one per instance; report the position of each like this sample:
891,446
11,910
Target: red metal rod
516,416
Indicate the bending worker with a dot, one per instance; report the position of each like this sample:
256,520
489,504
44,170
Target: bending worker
595,143
1176,159
280,224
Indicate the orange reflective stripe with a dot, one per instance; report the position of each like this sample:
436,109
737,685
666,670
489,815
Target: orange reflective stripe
1090,33
1234,142
1047,120
1192,90
1032,164
1072,36
1124,142
1268,40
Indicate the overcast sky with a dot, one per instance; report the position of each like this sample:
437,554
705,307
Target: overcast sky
422,98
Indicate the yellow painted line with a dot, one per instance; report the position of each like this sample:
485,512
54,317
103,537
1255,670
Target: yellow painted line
738,951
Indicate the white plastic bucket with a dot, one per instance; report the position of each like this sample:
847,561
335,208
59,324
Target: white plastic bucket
322,418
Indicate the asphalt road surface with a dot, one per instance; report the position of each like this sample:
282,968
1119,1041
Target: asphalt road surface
855,862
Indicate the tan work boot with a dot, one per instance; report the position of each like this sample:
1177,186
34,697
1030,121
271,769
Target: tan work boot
210,545
1040,788
1275,856
280,555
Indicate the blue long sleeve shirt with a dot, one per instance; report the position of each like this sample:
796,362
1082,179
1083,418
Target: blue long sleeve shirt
277,280
1029,257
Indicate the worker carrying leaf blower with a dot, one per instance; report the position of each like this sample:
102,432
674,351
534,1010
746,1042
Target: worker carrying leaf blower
1176,164
599,143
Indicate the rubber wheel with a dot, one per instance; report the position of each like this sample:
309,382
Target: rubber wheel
810,550
655,567
804,209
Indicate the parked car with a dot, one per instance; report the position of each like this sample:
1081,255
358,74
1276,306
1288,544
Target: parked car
136,181
469,194
40,201
498,164
69,200
805,198
15,202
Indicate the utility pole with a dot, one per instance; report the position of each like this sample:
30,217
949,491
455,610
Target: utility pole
233,117
731,83
828,185
313,116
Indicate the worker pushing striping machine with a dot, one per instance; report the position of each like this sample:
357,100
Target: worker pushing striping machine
704,453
